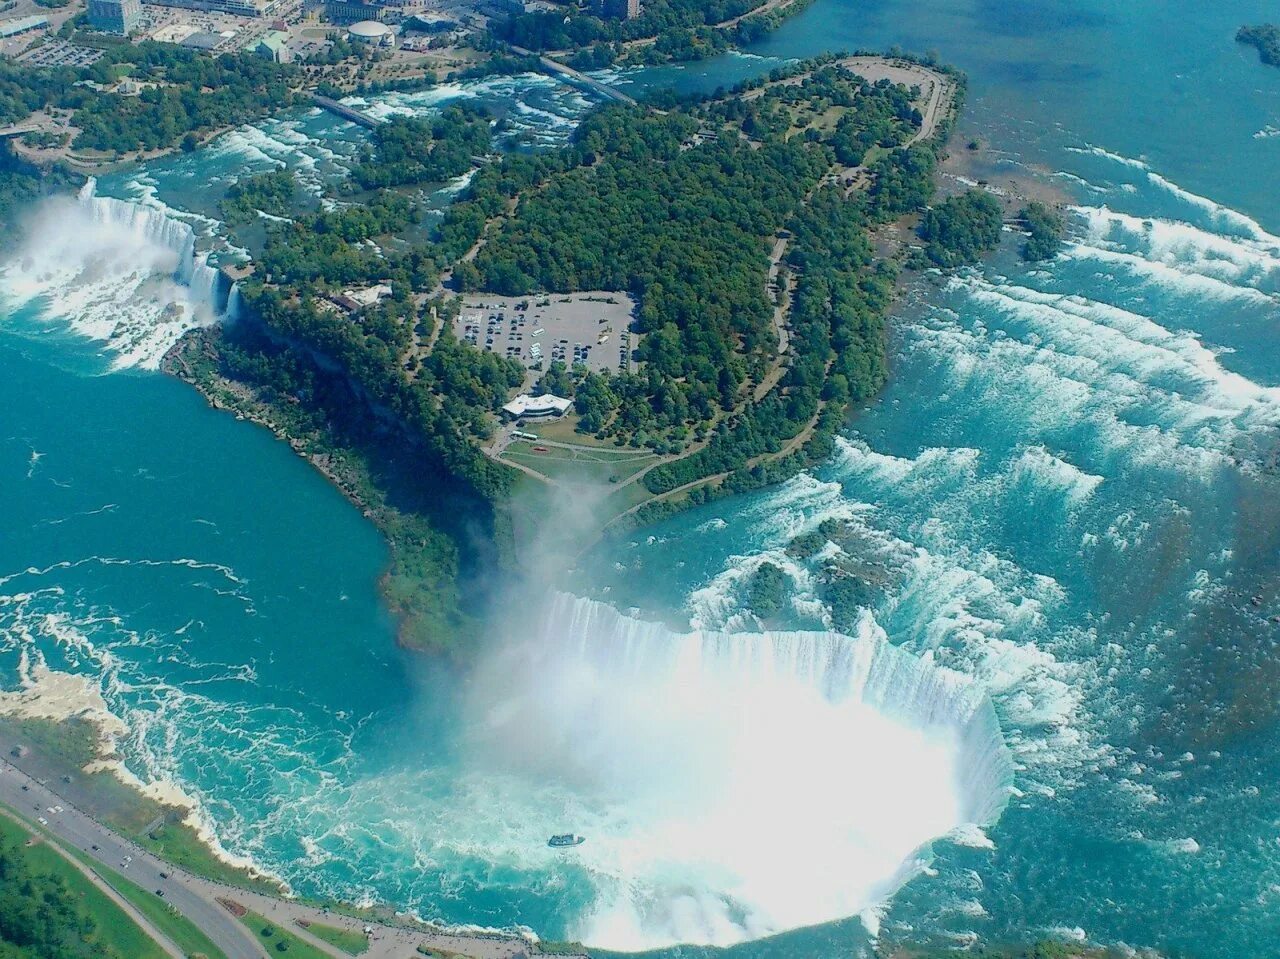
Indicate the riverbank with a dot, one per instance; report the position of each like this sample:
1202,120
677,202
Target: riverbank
213,905
425,604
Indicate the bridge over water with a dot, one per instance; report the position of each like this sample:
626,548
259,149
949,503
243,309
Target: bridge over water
576,76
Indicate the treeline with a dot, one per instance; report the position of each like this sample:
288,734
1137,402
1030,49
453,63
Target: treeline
681,30
185,93
39,918
837,358
21,182
552,30
409,150
1045,229
443,408
274,193
339,247
871,115
1266,38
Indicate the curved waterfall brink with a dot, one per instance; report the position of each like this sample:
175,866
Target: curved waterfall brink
865,669
733,786
122,273
152,226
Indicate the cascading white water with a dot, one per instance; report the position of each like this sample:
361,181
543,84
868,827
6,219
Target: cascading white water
147,224
866,669
733,786
118,272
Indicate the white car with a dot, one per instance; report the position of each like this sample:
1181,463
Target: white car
42,821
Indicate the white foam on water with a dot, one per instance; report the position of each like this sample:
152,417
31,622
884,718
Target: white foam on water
930,467
1108,155
1041,469
1222,217
1240,261
682,804
1051,364
1166,277
123,274
1130,342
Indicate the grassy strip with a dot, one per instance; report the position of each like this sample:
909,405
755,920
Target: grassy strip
185,934
113,928
276,938
59,753
352,943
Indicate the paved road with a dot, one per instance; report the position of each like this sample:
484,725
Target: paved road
74,829
197,898
125,906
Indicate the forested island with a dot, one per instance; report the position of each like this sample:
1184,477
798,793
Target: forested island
739,224
1266,38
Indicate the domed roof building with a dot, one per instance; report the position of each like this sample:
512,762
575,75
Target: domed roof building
371,32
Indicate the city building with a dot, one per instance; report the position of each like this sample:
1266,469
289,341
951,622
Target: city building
620,9
239,8
115,16
371,32
203,40
353,11
12,28
516,7
274,46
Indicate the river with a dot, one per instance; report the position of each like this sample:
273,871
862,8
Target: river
1061,510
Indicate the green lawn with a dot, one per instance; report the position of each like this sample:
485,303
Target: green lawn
578,466
350,942
185,934
278,940
179,844
112,927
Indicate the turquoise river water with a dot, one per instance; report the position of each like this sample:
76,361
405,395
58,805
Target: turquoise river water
1056,716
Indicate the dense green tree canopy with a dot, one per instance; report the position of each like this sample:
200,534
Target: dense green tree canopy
961,228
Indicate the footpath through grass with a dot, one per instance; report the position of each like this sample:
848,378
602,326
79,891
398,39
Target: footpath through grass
351,942
113,928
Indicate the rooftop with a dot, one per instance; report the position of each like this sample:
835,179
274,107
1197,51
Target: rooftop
9,28
546,405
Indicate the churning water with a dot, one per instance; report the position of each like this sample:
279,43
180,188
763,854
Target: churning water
1054,714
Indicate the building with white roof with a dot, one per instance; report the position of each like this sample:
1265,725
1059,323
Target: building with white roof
528,405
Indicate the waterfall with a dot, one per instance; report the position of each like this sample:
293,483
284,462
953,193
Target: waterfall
148,224
865,669
732,785
117,272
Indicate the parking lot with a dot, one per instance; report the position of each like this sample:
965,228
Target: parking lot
59,53
578,329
